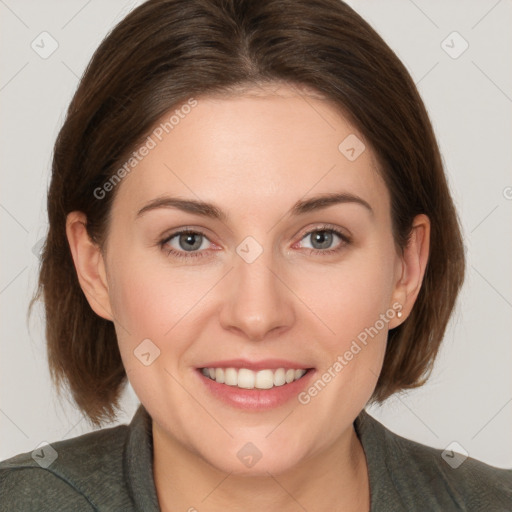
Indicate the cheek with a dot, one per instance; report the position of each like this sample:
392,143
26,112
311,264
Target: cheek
357,311
149,297
153,308
148,304
350,297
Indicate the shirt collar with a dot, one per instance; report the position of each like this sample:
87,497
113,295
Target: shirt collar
378,443
138,462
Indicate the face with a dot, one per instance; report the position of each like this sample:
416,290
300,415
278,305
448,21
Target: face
267,279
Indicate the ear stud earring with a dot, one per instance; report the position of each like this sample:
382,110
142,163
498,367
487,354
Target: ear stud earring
399,314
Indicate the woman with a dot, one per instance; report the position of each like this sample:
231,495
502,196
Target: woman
249,221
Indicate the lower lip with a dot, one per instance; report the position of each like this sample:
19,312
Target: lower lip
256,399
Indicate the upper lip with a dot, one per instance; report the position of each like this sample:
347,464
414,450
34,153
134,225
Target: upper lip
264,364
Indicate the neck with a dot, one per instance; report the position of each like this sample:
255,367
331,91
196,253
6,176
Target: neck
335,479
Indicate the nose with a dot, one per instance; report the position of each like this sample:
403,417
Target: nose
256,299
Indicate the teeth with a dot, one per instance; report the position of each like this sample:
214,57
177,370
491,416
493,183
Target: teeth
279,377
248,379
230,377
264,379
219,375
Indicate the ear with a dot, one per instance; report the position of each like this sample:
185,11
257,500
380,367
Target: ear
411,268
89,265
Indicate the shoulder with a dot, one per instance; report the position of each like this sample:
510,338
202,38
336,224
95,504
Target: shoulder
33,488
65,475
436,477
462,479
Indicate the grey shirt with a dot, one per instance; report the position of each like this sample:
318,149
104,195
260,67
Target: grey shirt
112,470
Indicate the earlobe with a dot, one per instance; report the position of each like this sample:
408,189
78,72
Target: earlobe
89,265
413,265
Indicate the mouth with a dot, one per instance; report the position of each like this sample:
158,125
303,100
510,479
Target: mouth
254,386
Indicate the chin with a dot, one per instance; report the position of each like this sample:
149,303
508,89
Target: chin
258,458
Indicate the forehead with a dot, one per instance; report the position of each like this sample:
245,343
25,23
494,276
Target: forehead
259,147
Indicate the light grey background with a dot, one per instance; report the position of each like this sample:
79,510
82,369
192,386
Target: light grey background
468,398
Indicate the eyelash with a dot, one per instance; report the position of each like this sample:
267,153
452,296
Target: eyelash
345,240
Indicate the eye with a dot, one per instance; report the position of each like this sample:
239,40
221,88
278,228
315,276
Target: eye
323,238
185,244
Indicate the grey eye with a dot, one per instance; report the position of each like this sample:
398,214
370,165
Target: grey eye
321,239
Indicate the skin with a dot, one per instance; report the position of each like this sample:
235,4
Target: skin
253,154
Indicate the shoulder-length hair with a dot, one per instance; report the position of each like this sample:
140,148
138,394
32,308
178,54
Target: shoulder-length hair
166,51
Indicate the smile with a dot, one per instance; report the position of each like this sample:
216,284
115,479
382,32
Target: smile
254,386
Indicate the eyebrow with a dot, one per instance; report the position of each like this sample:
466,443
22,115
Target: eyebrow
206,209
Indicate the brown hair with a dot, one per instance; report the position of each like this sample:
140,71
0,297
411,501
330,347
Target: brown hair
166,51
